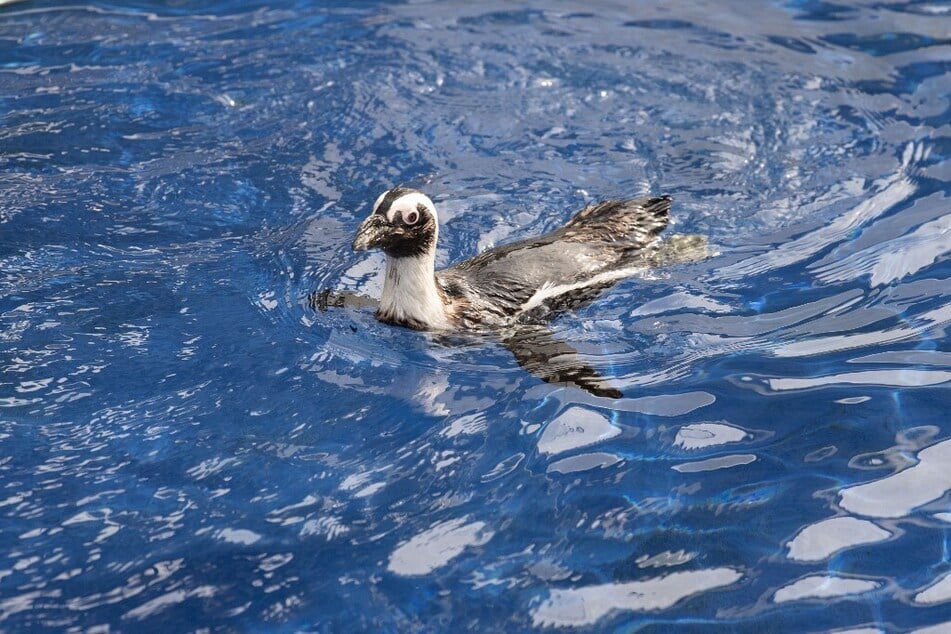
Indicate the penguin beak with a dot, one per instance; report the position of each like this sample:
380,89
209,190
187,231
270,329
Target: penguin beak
371,233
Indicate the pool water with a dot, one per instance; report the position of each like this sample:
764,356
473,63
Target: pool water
185,445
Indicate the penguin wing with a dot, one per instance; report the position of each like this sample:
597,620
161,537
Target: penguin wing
636,221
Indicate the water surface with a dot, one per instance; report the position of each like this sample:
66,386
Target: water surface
187,445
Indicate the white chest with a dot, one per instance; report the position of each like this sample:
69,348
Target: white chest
410,295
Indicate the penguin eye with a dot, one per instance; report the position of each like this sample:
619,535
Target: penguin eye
411,217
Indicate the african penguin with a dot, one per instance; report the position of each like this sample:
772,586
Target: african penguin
600,245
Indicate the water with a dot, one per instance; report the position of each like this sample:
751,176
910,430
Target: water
186,445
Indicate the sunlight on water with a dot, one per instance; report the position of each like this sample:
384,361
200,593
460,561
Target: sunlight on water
188,444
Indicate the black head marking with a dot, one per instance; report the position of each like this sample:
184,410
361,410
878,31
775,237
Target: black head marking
400,234
412,240
392,196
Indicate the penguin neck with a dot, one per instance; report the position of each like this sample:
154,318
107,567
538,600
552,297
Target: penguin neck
411,296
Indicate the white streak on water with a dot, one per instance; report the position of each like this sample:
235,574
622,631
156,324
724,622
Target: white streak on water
714,464
437,546
893,260
891,378
820,540
938,592
574,428
586,605
822,587
899,494
893,191
701,435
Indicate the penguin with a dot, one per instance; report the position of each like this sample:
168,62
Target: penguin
509,284
511,291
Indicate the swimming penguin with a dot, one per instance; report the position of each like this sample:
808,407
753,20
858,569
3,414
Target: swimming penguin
511,289
496,287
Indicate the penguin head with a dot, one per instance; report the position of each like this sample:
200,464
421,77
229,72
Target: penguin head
403,224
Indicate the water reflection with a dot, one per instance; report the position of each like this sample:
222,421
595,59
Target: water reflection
712,464
900,494
586,605
897,496
823,587
574,428
185,446
703,435
823,539
437,546
938,592
889,192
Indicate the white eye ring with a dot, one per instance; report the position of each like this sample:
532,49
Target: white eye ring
411,217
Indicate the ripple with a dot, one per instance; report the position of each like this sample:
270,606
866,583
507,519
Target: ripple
896,378
712,464
584,462
821,540
823,587
575,428
938,592
899,494
188,445
703,435
586,605
437,546
890,193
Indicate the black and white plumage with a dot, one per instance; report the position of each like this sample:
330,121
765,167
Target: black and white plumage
598,246
508,290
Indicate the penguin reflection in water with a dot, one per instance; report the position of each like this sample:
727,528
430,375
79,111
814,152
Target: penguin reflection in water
512,290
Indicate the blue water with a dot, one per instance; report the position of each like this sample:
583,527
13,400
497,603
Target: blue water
186,446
